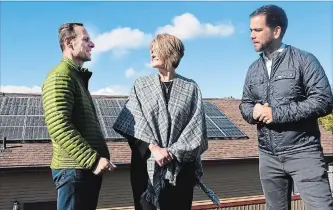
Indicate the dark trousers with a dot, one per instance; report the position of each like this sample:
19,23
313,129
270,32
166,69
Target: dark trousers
177,197
77,189
306,169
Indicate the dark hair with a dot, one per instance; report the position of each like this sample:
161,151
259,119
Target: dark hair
275,16
66,30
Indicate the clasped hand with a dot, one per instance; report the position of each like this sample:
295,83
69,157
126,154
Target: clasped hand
263,113
162,155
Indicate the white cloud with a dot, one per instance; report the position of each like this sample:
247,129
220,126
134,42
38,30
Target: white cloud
119,53
20,89
121,39
92,30
112,90
119,42
130,72
148,65
187,26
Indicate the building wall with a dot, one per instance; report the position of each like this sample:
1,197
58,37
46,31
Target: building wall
231,179
226,179
25,186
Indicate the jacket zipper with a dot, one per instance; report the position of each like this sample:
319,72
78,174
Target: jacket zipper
269,101
269,131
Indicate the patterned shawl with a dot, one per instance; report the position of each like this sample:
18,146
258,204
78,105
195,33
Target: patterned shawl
146,116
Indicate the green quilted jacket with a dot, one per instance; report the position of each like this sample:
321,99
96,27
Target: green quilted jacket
71,118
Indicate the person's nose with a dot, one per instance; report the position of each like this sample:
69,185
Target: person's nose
92,45
252,35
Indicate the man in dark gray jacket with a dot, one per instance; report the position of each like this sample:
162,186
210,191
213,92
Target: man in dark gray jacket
285,92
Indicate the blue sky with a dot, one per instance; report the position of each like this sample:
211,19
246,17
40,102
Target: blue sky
215,34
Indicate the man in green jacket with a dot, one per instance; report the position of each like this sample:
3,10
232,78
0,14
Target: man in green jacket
80,153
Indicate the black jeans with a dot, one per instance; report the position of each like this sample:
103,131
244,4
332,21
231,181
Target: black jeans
77,189
306,169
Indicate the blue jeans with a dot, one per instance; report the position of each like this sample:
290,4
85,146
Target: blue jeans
77,189
306,169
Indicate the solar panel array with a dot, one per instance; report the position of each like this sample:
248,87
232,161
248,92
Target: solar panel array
22,119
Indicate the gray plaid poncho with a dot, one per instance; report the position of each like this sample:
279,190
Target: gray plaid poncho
146,116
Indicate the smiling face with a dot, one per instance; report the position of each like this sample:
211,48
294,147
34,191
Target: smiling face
81,45
156,60
166,51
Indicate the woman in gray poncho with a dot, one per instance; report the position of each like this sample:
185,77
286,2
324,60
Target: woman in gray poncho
164,122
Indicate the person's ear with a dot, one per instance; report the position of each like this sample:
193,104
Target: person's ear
69,43
277,32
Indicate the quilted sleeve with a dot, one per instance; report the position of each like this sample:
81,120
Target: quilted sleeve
319,100
247,103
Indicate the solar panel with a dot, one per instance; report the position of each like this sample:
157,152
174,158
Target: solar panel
11,127
227,128
211,110
22,119
218,124
12,133
99,116
11,120
108,110
14,106
33,133
110,132
35,107
212,130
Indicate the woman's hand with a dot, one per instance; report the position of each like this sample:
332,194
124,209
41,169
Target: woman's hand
162,155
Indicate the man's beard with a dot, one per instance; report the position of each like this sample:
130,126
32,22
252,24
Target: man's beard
266,46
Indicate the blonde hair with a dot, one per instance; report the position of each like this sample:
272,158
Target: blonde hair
169,48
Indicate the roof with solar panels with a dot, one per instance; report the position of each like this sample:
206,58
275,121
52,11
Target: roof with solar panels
28,142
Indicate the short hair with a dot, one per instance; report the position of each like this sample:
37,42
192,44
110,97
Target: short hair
66,30
275,16
169,48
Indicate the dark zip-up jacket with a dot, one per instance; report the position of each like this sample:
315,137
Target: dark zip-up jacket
298,91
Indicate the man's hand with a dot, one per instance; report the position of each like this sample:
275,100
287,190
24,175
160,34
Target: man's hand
267,115
104,165
162,155
257,111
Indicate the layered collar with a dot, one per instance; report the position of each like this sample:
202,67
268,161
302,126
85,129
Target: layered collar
73,65
84,73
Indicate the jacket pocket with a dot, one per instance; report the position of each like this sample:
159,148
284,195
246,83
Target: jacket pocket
284,83
256,85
